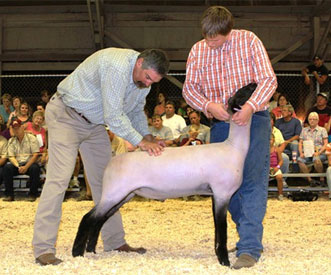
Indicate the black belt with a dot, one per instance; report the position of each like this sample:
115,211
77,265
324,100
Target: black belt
81,115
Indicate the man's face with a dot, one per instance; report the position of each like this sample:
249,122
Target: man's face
144,78
215,41
286,113
321,101
18,130
157,123
318,62
169,110
194,119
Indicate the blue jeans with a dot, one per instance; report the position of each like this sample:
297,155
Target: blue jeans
248,205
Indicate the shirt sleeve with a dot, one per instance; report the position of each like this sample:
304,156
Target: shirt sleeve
34,143
113,87
264,76
298,127
192,87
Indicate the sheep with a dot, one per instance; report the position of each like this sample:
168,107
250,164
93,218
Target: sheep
212,169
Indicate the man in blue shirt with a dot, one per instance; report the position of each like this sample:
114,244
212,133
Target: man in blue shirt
108,88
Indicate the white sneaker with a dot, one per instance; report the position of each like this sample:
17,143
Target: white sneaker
280,197
74,183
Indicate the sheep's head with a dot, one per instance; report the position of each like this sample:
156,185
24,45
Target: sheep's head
240,97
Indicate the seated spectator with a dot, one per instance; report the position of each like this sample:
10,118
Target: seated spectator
203,130
182,108
22,152
148,116
312,145
276,162
160,104
192,137
35,128
41,106
16,104
6,108
274,100
119,145
45,96
23,115
282,101
3,157
175,122
318,70
323,111
280,144
290,128
161,132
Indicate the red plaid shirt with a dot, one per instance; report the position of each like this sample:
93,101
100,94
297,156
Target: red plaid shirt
214,75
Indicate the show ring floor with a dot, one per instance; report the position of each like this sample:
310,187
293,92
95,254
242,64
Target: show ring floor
179,237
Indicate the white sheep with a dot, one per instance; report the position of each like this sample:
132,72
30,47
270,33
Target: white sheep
212,169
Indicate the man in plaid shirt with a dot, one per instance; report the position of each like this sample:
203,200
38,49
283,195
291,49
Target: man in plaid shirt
217,66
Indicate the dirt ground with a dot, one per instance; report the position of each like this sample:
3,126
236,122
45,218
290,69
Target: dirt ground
178,236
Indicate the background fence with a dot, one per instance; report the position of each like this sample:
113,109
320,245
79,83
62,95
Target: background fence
29,87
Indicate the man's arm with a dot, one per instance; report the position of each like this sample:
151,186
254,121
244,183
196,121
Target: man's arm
23,169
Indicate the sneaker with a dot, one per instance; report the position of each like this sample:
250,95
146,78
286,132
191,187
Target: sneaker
74,183
280,197
314,183
31,198
244,260
285,184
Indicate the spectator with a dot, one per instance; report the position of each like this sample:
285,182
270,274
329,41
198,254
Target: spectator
6,108
35,128
276,162
41,106
192,138
4,130
203,130
23,151
16,104
45,96
274,100
312,145
291,129
182,108
161,132
282,101
280,144
318,70
23,115
3,157
323,111
175,122
148,116
160,106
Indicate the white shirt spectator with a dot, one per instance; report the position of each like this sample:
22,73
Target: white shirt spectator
176,123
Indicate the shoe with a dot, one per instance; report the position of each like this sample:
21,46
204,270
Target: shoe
233,249
74,183
48,259
8,198
31,198
285,184
244,260
280,197
127,248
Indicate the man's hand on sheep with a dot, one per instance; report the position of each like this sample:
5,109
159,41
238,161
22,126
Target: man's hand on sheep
151,145
243,116
218,111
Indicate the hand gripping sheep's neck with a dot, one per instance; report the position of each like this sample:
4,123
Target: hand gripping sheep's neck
215,169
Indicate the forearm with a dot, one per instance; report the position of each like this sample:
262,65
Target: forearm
14,161
32,160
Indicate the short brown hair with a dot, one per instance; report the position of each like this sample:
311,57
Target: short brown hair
216,20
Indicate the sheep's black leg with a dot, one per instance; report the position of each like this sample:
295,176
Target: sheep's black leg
220,212
83,233
90,226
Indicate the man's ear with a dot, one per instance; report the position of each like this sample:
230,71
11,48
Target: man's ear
140,62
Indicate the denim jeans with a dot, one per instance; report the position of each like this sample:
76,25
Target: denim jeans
328,179
286,164
248,205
